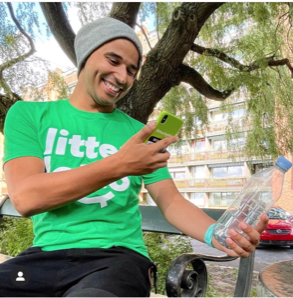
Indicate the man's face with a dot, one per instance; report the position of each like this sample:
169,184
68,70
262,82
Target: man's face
109,72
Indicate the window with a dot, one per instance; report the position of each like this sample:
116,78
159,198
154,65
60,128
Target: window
178,173
235,171
219,172
236,143
179,148
198,172
226,172
197,199
219,144
200,145
239,111
217,115
222,199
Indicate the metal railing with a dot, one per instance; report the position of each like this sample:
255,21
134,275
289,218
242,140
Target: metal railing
212,183
206,156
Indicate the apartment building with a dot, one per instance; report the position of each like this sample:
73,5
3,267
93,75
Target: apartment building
208,170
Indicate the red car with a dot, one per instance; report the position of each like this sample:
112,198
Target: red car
279,230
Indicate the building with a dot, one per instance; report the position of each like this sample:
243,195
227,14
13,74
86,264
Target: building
208,171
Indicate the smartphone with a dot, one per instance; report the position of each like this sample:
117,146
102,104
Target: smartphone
167,125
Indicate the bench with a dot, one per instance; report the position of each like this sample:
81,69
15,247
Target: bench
181,281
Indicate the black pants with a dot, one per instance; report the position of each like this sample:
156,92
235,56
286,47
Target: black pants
91,272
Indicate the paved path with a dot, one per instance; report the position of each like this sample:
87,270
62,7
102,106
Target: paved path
264,256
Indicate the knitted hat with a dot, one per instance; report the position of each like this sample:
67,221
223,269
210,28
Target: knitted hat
93,35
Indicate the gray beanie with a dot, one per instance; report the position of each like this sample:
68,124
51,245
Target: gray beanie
93,35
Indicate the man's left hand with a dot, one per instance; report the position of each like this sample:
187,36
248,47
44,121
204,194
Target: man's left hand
242,246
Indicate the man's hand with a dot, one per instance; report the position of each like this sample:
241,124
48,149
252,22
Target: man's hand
242,246
140,158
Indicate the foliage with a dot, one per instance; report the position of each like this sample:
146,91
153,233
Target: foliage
13,44
88,12
16,235
250,33
163,250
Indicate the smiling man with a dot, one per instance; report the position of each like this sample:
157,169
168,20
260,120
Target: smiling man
76,168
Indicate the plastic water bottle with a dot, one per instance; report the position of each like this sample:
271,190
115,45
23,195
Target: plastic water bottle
259,194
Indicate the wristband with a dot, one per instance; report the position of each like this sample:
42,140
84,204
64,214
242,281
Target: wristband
209,235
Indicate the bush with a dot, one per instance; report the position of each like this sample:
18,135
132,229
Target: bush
163,250
16,235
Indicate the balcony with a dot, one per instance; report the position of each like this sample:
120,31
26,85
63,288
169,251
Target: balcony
221,126
211,184
206,156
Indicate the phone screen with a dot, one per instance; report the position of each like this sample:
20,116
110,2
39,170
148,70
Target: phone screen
153,140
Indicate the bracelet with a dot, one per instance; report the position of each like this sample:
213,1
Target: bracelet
209,235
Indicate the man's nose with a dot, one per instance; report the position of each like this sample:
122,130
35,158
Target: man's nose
122,76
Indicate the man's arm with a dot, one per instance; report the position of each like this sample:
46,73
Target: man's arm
193,222
33,191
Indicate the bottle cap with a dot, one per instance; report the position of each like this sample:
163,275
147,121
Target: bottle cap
283,163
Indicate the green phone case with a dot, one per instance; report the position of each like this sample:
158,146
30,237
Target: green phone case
169,127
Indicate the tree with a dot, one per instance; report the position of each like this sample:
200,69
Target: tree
193,49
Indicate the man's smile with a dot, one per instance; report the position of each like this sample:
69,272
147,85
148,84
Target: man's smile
113,89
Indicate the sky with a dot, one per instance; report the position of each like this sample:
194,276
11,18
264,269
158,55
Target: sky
49,49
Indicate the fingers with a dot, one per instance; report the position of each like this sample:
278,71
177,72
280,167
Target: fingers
244,245
141,158
263,223
164,143
144,132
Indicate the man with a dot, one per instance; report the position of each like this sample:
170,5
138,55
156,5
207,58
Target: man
76,167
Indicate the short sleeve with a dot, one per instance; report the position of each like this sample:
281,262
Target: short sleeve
20,133
160,174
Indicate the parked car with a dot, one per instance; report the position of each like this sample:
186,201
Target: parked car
279,230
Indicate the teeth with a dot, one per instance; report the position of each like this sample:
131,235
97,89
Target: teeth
115,89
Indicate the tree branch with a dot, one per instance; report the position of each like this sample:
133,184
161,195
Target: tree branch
241,67
19,27
145,35
60,27
192,77
24,56
125,12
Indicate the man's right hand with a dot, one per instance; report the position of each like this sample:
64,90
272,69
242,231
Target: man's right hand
140,158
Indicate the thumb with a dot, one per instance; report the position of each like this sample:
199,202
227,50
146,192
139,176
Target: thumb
145,132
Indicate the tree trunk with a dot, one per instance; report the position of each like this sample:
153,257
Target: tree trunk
60,27
125,13
160,70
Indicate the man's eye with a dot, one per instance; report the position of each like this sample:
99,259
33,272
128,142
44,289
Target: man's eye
114,62
131,73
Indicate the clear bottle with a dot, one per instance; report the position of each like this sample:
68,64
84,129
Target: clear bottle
259,194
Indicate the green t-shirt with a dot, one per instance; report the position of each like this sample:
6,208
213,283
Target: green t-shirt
66,138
